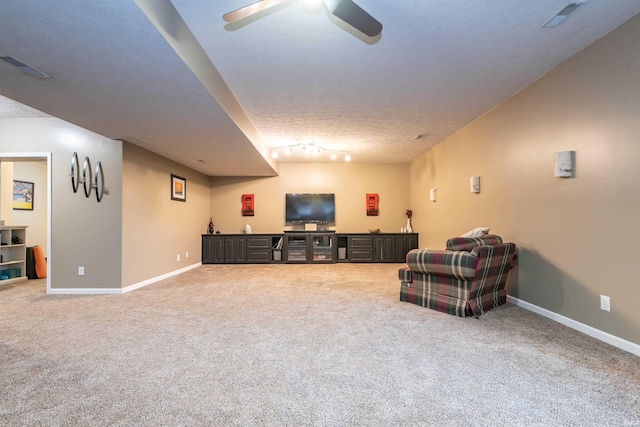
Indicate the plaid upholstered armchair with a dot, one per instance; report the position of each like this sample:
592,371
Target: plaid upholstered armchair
467,279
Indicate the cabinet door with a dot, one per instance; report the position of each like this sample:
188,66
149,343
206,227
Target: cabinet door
412,242
323,247
234,249
384,249
241,250
404,243
297,247
212,249
218,249
229,249
207,249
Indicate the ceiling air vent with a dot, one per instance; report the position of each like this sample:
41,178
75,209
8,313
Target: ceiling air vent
557,19
24,67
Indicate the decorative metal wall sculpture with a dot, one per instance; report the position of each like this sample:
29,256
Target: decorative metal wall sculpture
89,178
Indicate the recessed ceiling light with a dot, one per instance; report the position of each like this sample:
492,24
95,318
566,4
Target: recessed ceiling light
557,19
24,67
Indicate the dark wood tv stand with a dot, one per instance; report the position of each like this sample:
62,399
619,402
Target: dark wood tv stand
306,247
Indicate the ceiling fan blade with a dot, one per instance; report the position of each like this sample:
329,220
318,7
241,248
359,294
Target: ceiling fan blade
355,16
245,12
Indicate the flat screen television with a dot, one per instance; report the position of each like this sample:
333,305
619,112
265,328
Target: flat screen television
303,208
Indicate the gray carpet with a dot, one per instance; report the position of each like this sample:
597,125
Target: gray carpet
297,345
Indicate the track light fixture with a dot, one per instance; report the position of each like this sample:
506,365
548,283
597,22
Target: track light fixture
310,148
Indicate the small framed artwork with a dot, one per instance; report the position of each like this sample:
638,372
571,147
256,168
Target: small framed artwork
23,195
178,188
372,204
247,205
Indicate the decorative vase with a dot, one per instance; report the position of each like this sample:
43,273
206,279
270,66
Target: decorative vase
409,229
211,228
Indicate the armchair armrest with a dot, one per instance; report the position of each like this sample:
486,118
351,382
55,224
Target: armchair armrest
460,264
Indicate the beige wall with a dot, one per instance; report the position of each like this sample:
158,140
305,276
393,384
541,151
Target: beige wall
577,237
84,232
350,182
121,240
36,219
155,229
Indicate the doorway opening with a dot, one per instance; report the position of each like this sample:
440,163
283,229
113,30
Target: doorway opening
34,168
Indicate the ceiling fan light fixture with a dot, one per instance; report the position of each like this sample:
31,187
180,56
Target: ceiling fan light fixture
345,10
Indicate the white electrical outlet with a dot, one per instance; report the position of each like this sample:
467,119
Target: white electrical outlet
186,254
80,271
605,303
178,257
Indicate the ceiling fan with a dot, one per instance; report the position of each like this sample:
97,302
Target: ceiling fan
345,10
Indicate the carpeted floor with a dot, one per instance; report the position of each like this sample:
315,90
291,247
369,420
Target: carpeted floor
297,345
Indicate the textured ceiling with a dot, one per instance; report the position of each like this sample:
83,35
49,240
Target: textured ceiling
12,109
133,69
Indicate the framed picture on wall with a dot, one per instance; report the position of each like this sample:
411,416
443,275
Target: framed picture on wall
178,188
22,195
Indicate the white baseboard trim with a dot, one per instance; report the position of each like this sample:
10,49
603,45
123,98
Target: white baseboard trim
83,291
159,278
107,291
581,327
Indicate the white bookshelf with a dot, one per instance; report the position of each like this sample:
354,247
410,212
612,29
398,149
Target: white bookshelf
13,251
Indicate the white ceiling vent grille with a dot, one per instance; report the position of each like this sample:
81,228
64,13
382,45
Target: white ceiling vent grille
24,67
557,19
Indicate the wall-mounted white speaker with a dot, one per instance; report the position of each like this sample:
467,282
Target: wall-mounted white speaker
432,194
563,164
474,183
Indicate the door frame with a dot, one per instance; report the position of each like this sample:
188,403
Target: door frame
34,156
